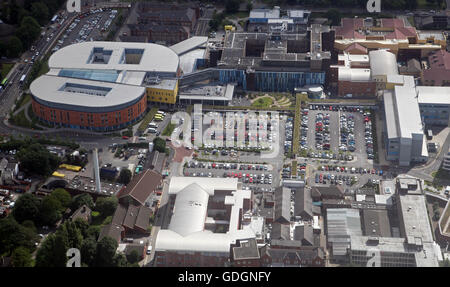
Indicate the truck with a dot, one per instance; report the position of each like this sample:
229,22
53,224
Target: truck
22,79
150,147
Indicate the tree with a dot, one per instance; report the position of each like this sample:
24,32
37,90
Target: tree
106,250
133,256
160,144
50,211
124,176
334,15
232,6
28,31
14,47
37,159
26,208
13,235
445,263
74,236
29,225
88,251
82,226
52,252
93,232
62,196
249,6
21,257
80,200
40,12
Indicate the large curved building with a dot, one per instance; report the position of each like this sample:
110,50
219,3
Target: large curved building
104,86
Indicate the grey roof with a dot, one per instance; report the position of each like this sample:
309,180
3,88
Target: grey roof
332,191
304,233
280,231
71,93
119,214
282,205
413,66
131,215
342,224
142,185
83,212
383,62
189,44
140,248
112,230
376,223
303,203
190,210
286,243
154,58
246,249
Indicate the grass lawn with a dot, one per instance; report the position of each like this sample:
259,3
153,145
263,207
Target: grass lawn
21,121
6,67
147,119
168,130
23,100
264,102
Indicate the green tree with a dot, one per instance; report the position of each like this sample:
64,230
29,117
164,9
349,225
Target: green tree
445,263
93,232
29,225
124,176
50,211
249,6
26,208
62,196
232,6
74,236
88,251
21,257
40,12
14,47
80,200
106,250
133,256
52,252
13,235
28,31
334,15
82,226
160,144
37,159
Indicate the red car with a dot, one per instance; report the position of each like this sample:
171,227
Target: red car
125,137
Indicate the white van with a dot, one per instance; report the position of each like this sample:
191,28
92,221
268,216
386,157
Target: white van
152,130
149,250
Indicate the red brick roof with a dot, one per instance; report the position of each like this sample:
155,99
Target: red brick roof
142,185
439,71
357,47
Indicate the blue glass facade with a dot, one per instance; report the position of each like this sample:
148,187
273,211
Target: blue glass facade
97,75
233,76
273,81
286,81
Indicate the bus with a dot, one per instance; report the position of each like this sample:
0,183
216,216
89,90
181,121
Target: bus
4,82
22,79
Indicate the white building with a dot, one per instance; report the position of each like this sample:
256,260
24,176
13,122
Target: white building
405,140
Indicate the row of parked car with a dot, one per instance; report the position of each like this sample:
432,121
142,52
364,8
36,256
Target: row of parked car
337,179
322,131
347,128
304,130
368,136
289,130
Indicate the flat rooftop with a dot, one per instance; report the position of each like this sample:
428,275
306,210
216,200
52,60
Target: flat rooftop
433,95
70,93
207,92
115,56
